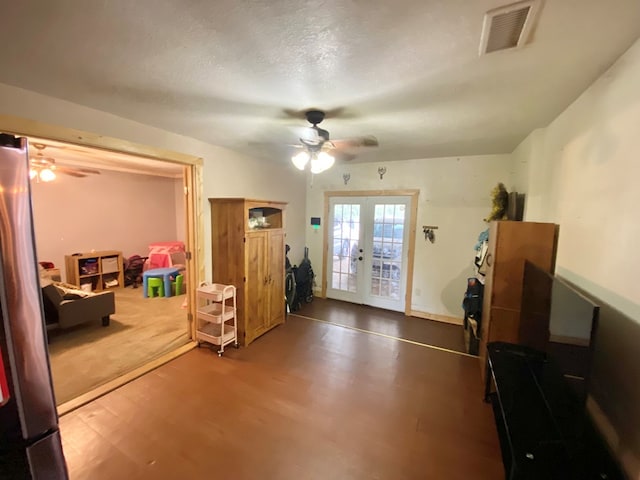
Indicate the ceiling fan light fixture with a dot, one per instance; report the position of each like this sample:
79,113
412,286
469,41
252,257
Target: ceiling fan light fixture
321,162
300,160
47,175
316,144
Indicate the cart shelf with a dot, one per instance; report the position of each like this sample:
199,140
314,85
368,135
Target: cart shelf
214,334
216,292
217,315
216,312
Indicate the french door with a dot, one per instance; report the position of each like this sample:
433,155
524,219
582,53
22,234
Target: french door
367,261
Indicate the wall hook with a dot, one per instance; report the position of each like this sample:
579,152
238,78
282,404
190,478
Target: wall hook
429,233
346,177
382,171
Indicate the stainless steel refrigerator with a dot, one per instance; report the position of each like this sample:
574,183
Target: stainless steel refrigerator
30,444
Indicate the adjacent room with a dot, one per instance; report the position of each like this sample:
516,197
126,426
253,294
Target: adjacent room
102,220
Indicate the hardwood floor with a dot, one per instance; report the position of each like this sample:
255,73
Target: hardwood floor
386,322
308,400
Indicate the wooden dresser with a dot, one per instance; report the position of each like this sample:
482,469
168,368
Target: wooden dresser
248,251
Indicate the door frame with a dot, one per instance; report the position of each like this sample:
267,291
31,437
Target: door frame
193,183
413,219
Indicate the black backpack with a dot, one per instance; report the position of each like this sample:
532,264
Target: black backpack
304,278
472,301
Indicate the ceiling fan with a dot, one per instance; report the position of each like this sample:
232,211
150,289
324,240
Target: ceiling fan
45,169
320,151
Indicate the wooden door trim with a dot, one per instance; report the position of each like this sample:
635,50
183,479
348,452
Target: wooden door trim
32,128
413,218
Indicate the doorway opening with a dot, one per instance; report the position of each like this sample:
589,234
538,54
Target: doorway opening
124,349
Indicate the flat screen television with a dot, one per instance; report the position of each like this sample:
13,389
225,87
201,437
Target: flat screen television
557,319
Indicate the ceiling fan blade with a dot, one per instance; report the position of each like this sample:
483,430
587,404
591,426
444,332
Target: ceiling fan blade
271,146
355,142
77,171
85,170
340,155
39,162
71,173
343,156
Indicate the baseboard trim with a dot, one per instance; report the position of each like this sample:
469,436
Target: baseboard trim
97,392
436,317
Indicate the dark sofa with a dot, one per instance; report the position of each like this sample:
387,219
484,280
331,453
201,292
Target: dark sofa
66,308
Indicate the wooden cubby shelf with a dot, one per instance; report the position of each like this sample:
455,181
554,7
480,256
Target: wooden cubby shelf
102,270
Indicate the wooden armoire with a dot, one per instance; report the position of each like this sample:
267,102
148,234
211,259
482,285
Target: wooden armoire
510,244
248,251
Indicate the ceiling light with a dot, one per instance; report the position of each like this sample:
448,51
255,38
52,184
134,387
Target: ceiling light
300,160
33,173
320,161
323,161
47,175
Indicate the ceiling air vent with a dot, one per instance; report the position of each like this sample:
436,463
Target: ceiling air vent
507,27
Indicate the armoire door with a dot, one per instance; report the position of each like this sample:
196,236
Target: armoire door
256,285
275,271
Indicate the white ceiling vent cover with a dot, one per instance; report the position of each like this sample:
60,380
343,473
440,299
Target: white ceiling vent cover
507,27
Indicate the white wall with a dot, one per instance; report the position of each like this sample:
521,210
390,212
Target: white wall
225,173
522,165
111,211
583,172
583,175
454,195
237,176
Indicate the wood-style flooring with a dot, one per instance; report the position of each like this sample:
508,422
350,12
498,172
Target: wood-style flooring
385,322
308,400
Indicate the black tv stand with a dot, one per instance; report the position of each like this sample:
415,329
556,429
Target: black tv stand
544,429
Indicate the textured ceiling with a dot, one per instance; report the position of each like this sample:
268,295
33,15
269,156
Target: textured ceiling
226,71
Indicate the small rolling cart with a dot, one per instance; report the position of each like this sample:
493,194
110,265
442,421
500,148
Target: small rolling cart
217,315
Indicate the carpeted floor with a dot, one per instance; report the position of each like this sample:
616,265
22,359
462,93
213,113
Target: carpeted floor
142,329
